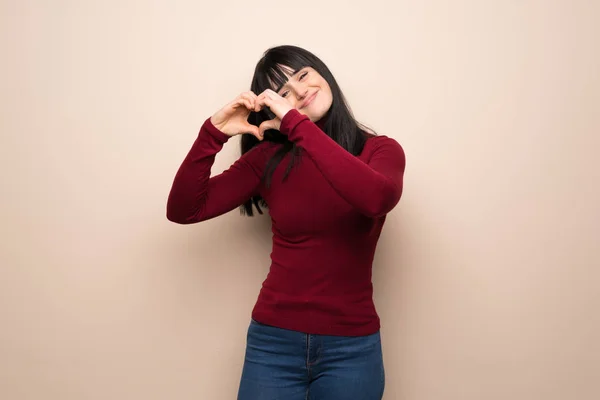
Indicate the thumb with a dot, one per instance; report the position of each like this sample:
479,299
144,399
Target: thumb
253,129
270,124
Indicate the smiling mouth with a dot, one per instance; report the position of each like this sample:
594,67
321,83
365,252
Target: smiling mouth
310,99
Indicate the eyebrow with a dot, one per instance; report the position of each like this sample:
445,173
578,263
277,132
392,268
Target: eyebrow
293,74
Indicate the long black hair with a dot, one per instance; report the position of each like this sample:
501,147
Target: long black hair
271,72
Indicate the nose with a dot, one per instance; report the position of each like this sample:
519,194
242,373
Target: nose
301,90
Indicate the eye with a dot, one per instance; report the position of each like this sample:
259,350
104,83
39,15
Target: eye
284,94
303,76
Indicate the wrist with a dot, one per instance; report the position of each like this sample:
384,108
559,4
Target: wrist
216,124
286,113
290,120
215,131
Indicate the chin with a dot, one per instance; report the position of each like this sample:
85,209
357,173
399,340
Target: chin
315,112
312,117
316,115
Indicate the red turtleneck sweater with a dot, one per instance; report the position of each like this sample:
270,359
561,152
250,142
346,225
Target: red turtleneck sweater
326,219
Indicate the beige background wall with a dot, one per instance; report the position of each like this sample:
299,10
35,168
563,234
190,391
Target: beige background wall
486,276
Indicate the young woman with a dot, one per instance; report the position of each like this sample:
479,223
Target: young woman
328,185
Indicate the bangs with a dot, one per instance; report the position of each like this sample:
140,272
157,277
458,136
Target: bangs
277,68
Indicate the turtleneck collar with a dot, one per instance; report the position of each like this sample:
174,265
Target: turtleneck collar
321,123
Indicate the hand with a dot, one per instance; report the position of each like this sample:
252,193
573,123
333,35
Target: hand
233,118
277,104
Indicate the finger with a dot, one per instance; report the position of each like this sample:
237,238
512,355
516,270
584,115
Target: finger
244,95
268,92
247,104
264,101
257,107
251,99
254,130
264,94
244,102
260,101
273,94
270,124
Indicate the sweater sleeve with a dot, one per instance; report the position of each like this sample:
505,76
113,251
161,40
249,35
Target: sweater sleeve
195,196
374,188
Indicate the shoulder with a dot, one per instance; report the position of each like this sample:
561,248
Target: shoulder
384,150
376,143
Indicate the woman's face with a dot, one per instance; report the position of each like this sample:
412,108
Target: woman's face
308,92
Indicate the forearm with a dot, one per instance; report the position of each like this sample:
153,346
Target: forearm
374,188
188,194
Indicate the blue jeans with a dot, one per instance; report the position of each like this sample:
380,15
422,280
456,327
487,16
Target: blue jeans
287,365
